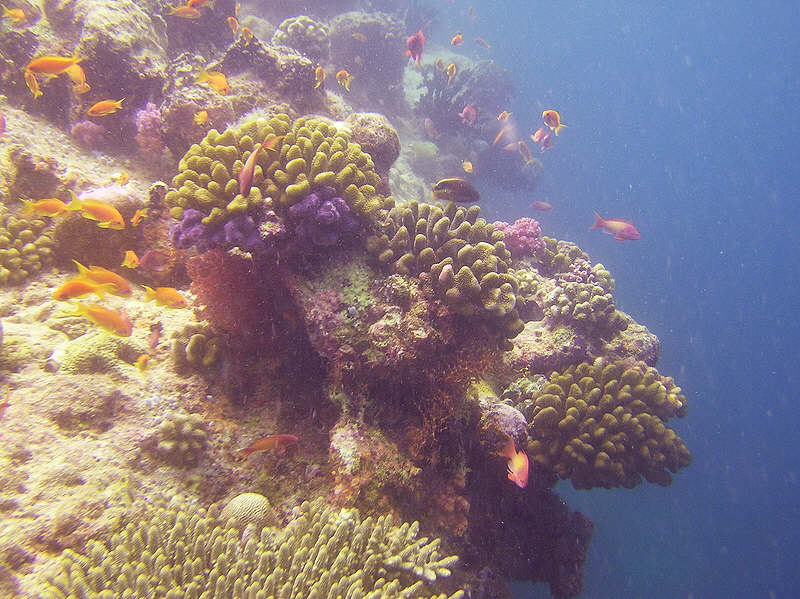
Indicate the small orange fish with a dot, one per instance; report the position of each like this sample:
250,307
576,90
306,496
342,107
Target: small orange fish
51,65
552,119
247,35
525,151
49,207
141,362
200,117
517,467
32,83
344,78
622,230
248,171
234,25
500,135
319,75
541,205
105,107
113,322
215,80
451,72
468,115
122,179
537,137
277,442
272,143
137,217
198,3
16,15
103,275
457,39
236,9
76,74
79,287
131,259
467,166
185,12
483,43
503,116
439,64
81,88
106,215
165,296
360,37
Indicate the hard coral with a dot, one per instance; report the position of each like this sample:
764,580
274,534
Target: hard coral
376,136
523,238
249,509
305,35
602,424
322,219
26,247
181,438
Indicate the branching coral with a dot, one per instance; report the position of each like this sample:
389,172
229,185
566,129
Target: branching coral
523,238
602,424
182,551
26,246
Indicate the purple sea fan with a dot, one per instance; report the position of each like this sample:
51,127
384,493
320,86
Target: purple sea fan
523,238
150,133
322,219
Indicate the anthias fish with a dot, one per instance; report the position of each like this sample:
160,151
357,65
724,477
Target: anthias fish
319,76
79,287
517,467
165,296
552,119
344,78
106,215
414,46
248,171
468,115
541,205
622,230
103,275
47,207
113,322
277,442
456,190
51,65
131,260
105,107
216,80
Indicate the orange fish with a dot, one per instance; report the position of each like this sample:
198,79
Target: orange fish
52,65
482,42
76,74
137,217
247,35
503,116
439,64
552,119
197,3
319,75
16,15
234,25
185,12
468,115
141,362
542,206
500,135
360,37
277,442
165,296
105,107
451,72
131,259
215,79
200,117
236,9
99,274
49,207
525,151
271,143
344,78
79,287
517,467
248,171
467,166
415,45
457,39
622,230
537,137
33,83
106,215
81,88
113,322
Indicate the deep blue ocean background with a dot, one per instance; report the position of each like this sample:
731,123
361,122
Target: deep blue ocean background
684,118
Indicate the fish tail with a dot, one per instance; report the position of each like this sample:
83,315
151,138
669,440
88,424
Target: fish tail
598,222
119,102
149,293
559,128
202,75
27,208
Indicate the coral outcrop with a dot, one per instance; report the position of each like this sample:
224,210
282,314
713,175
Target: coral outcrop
181,439
249,509
305,35
196,347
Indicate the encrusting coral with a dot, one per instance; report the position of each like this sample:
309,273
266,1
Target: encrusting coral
183,551
181,438
602,424
465,256
99,352
26,246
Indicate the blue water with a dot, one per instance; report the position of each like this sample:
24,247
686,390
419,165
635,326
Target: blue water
684,118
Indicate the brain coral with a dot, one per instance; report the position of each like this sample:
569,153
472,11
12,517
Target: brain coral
249,508
465,256
207,180
602,424
305,35
26,246
181,551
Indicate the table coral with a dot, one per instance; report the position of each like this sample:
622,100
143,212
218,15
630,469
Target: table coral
183,551
603,424
26,247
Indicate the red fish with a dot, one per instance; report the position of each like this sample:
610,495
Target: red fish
622,230
546,143
157,261
247,172
468,115
537,137
542,206
277,442
155,334
517,467
525,151
415,44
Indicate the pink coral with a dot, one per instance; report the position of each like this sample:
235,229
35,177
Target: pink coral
89,134
523,238
149,133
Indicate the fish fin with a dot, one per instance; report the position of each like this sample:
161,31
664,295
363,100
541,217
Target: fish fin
149,293
598,222
75,203
101,290
559,128
82,270
245,453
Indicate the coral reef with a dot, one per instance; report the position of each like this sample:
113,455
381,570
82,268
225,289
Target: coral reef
322,219
184,551
305,35
196,347
523,238
26,247
603,424
149,133
98,352
249,509
180,439
376,136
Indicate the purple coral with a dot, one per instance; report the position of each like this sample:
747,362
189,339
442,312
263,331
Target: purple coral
580,271
89,134
240,231
322,219
149,133
523,238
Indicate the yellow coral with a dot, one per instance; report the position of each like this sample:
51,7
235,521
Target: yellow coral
26,246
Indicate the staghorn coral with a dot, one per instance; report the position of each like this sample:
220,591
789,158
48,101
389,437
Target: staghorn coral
181,438
305,35
183,551
602,424
464,255
316,154
26,246
207,180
